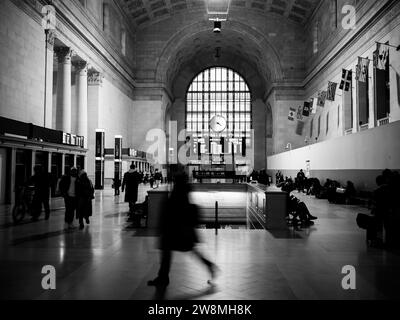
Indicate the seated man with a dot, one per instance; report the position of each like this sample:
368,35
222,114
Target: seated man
300,212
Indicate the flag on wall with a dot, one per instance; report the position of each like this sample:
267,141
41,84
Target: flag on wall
331,93
321,99
362,69
300,113
345,84
306,109
398,87
299,128
292,114
381,56
314,105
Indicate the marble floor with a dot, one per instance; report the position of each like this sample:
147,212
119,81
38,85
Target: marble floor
107,260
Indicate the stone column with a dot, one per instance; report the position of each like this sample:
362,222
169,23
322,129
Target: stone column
13,174
63,164
49,161
33,162
63,119
95,99
82,84
48,105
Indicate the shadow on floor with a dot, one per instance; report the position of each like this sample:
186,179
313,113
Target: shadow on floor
26,221
161,294
285,234
37,237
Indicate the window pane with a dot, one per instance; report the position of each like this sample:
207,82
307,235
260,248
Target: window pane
219,91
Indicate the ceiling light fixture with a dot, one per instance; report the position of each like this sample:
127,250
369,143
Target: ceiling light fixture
217,26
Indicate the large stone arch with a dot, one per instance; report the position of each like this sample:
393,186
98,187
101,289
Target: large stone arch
182,46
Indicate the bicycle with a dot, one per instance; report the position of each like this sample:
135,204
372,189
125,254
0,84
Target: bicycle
23,203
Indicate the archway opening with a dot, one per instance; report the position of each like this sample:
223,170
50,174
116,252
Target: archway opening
218,121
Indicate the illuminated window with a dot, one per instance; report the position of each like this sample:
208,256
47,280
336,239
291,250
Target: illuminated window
223,92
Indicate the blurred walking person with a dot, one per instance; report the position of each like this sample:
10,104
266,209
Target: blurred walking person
85,195
178,232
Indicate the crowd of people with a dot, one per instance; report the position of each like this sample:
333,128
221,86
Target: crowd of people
381,224
76,189
154,178
332,190
261,177
78,192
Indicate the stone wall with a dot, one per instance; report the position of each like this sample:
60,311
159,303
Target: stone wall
22,51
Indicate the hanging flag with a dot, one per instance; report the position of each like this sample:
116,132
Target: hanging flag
299,128
306,109
345,84
314,105
398,87
362,69
321,99
331,91
381,56
300,113
292,114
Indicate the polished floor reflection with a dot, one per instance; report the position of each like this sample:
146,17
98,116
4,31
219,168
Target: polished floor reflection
107,260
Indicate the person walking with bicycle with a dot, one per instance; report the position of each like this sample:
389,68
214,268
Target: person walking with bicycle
41,182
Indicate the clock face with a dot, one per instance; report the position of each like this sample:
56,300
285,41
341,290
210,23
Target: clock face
218,123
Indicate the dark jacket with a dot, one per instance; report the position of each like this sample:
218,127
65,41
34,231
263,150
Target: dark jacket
85,195
41,183
178,224
64,185
130,185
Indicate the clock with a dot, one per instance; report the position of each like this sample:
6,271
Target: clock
218,123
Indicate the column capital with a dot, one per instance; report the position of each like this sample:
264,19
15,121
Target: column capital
95,77
64,54
81,66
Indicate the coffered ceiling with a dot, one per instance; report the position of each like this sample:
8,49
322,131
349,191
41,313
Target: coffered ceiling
145,12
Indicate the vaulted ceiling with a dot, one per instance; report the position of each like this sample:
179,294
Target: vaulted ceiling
145,12
266,36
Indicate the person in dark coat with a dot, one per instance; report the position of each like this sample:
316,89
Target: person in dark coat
67,186
41,182
178,232
85,195
130,185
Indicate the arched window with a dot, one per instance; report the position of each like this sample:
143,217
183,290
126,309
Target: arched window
223,93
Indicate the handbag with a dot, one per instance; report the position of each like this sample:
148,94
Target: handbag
364,220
